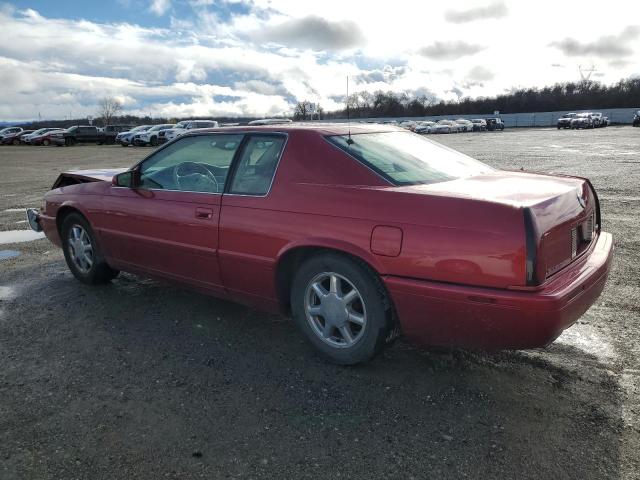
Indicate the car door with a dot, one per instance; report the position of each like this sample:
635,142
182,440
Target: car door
247,234
167,223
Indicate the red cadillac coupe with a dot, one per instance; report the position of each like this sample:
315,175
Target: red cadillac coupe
359,234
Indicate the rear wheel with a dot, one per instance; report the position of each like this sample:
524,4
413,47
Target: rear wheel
342,308
82,252
46,142
16,141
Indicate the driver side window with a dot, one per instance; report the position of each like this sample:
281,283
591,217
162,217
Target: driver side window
192,164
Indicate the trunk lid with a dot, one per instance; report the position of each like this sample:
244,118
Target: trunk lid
561,214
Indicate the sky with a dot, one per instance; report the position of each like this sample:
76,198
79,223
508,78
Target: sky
183,58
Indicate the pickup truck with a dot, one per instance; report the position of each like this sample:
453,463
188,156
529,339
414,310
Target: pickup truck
82,134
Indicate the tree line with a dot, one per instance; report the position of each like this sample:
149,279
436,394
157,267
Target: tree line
583,95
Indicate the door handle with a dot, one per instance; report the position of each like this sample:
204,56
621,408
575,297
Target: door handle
204,213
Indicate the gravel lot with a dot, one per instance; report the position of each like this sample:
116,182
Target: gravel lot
144,380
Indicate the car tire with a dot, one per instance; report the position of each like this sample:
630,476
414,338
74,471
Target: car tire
16,141
357,294
88,265
69,141
153,141
46,143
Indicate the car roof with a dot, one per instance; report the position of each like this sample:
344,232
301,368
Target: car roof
321,128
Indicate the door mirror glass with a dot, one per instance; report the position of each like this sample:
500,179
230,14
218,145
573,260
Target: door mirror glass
124,179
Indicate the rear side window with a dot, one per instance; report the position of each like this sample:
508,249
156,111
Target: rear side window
405,158
257,166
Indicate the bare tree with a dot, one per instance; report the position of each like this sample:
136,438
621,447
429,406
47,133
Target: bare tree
108,108
304,110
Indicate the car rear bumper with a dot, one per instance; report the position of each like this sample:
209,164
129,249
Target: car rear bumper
433,313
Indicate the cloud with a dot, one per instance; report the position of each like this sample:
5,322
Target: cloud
450,50
160,7
387,74
313,32
494,10
479,74
607,47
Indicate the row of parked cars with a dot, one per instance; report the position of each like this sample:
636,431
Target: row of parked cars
125,135
454,126
583,120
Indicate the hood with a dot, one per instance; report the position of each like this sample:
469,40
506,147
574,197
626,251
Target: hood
83,176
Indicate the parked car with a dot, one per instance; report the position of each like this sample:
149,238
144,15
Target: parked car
479,124
445,126
423,127
565,120
111,132
44,138
150,137
26,139
465,125
9,131
582,120
494,123
81,134
596,118
126,138
270,121
502,260
14,138
183,127
408,124
636,119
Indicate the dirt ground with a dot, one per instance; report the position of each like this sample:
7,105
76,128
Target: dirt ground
140,379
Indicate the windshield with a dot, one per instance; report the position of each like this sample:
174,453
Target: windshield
141,128
405,158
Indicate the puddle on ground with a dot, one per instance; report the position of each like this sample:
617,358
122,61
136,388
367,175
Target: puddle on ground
19,236
4,254
7,293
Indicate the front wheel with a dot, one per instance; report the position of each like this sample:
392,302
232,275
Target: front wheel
46,143
82,252
342,308
154,141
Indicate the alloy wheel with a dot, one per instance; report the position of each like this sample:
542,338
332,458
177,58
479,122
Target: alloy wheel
80,248
335,310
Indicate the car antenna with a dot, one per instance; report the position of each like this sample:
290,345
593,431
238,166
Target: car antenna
349,140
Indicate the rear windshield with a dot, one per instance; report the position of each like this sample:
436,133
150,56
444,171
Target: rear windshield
404,158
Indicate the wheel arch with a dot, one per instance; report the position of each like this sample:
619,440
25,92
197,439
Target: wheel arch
293,255
65,209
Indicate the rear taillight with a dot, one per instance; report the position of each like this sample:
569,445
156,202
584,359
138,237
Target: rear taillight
587,229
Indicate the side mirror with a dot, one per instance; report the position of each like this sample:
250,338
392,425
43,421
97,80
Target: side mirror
125,179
